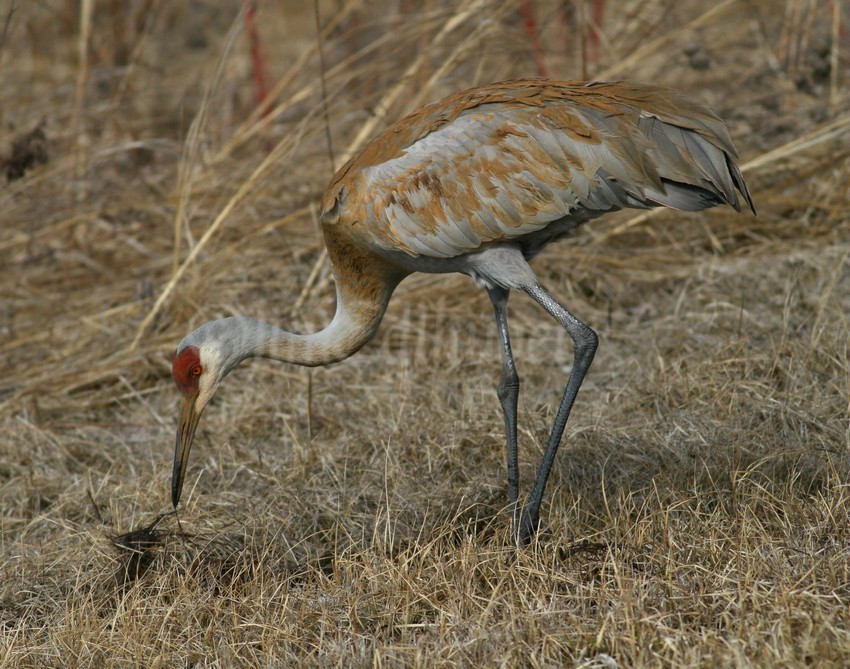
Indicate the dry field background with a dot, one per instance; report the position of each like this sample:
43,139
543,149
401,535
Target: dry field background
354,515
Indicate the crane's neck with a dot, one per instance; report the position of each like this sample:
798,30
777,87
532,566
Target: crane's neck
364,285
353,325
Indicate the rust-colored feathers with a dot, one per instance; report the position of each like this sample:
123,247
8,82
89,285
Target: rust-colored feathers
526,161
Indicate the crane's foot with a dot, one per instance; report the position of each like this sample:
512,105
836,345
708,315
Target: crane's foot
529,527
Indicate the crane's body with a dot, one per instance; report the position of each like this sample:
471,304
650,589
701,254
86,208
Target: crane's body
479,183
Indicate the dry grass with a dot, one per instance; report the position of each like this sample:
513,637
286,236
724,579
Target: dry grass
353,516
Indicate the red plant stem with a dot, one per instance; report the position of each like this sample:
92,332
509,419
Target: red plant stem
531,29
260,85
595,27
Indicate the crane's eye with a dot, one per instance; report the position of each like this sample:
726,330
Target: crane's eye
195,370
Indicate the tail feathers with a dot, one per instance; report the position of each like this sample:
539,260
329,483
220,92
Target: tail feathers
687,197
738,180
696,171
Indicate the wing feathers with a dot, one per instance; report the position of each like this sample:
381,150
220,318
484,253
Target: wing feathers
505,170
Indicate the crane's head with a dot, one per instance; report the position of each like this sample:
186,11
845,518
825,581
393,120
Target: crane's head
198,367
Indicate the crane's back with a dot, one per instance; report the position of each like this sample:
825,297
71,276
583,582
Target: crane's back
525,162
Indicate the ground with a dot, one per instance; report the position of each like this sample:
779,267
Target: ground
355,515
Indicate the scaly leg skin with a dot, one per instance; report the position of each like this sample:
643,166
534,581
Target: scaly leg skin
585,341
508,392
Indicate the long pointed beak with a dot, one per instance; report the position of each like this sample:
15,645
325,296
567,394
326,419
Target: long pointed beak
185,433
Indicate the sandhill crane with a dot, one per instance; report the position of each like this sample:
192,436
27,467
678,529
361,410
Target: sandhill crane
479,183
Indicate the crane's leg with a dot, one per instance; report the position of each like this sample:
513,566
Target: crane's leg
585,341
508,392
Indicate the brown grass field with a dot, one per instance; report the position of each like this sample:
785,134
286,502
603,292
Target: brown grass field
354,516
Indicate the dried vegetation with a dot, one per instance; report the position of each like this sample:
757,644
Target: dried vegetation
353,516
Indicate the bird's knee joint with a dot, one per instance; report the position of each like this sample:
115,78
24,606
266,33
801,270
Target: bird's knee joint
508,386
509,380
587,341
